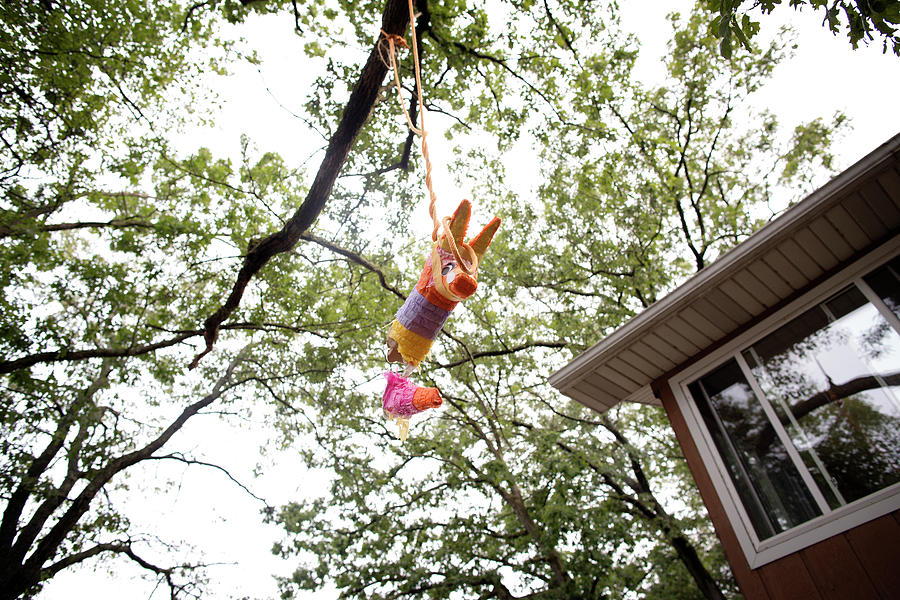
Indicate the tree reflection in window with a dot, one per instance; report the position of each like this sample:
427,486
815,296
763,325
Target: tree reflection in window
831,375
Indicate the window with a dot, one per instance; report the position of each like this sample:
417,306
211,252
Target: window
799,418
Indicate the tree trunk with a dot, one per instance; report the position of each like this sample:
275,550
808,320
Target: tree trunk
705,583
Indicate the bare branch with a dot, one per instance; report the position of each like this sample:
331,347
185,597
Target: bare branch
29,573
355,258
178,456
485,353
117,547
503,64
125,548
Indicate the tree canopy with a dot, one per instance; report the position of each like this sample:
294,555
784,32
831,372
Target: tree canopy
126,256
861,20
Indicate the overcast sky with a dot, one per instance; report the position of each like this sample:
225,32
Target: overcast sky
211,513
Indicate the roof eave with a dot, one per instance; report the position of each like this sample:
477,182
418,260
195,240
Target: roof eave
700,283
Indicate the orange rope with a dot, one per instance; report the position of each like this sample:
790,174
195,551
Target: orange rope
394,40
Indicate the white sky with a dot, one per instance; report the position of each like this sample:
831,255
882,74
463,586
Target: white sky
214,515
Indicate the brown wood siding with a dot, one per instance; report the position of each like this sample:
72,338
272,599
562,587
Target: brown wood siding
877,545
836,570
787,579
862,563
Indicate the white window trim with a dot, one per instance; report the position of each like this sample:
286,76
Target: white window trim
832,523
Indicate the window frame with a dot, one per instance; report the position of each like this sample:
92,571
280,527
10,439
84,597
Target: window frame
759,552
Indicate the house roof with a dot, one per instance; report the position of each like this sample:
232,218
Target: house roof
851,213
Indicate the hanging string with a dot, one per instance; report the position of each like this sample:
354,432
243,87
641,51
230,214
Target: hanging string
394,40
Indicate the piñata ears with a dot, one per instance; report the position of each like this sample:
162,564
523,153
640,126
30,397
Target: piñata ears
480,242
459,223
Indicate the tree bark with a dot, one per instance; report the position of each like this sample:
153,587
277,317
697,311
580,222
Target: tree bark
689,558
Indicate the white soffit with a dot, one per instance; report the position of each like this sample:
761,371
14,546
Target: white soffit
850,214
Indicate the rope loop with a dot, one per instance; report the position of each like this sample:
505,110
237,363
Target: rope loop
395,39
391,40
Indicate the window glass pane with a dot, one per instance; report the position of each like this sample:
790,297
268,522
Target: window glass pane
886,283
833,377
766,480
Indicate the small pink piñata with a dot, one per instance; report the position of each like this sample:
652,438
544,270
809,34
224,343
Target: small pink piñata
402,399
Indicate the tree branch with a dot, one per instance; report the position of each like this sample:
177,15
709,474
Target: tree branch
10,231
124,548
297,27
64,354
562,32
503,352
190,12
395,19
355,258
503,64
178,456
13,511
21,579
